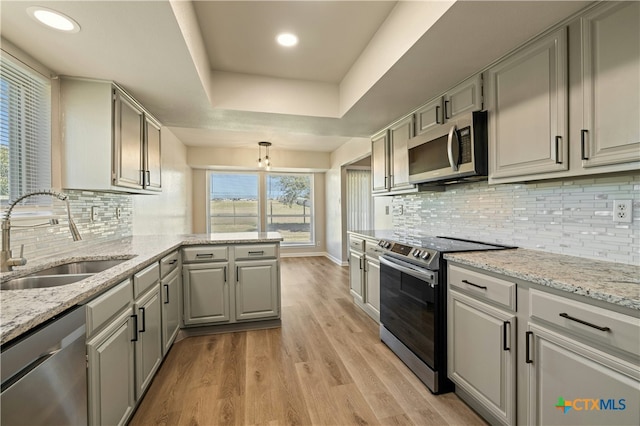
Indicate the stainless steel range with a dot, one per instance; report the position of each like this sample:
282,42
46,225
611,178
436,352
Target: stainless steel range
413,304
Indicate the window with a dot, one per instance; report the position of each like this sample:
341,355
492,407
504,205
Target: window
25,131
289,209
236,200
233,203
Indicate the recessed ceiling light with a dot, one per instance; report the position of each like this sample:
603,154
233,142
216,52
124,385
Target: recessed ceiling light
287,39
53,19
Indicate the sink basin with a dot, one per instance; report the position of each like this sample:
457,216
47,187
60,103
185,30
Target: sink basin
42,281
81,267
64,274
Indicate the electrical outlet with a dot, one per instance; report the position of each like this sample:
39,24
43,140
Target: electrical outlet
622,211
93,213
118,212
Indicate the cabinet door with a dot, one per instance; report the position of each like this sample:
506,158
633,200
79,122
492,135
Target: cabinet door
149,344
379,163
152,157
356,275
170,309
257,289
482,354
372,284
127,144
206,293
611,87
111,373
465,97
429,116
572,383
399,135
527,103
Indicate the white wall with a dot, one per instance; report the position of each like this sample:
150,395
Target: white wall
170,211
352,151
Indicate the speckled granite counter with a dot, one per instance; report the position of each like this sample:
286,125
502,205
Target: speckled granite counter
22,310
606,281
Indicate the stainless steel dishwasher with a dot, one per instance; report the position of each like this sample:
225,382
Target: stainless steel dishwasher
44,375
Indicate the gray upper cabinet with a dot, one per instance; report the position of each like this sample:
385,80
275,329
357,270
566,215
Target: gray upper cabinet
611,85
527,103
109,141
127,137
429,116
153,166
390,159
465,97
399,135
380,162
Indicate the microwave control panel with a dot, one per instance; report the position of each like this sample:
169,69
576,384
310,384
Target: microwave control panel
464,135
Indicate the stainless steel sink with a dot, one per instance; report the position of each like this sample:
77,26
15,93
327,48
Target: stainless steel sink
81,267
42,281
64,274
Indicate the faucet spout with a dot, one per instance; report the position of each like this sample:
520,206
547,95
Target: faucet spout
7,262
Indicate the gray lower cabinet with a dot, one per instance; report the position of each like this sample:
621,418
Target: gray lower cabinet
569,362
573,383
111,372
170,287
482,355
364,274
148,338
356,275
206,293
257,289
372,286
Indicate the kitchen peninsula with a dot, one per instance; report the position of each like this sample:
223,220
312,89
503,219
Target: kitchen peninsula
23,310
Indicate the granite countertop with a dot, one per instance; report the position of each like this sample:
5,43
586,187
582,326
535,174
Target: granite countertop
22,310
615,283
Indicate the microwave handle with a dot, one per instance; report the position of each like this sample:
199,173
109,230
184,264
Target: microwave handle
453,148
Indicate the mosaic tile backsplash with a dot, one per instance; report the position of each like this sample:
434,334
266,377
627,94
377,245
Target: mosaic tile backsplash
573,217
56,239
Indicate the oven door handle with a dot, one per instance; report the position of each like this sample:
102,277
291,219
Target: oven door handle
407,268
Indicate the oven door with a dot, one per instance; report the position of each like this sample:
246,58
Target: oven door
408,297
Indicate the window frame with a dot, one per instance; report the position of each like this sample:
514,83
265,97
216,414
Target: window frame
262,201
312,212
39,208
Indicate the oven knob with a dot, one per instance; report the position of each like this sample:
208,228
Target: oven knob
387,244
425,255
381,243
416,253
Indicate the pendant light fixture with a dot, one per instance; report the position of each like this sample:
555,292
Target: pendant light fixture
267,162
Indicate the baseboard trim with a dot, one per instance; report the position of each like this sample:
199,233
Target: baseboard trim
303,254
226,328
336,260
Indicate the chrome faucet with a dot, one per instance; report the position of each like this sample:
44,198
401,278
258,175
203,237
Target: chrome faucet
7,262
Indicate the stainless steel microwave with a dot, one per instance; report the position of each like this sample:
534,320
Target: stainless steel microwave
456,150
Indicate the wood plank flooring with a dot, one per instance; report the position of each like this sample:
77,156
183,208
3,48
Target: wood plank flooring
324,366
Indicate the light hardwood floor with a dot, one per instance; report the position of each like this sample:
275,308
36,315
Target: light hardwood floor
324,366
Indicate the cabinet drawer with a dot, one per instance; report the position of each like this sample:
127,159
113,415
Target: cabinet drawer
607,327
168,264
204,254
256,251
145,279
483,286
356,243
108,305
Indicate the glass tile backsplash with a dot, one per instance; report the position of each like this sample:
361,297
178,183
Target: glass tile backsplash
56,239
573,217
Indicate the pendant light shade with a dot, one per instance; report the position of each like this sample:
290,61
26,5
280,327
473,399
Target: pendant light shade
267,161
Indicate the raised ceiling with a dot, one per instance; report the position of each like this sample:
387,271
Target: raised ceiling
212,73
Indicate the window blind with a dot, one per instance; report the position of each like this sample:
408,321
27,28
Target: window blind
359,211
25,132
